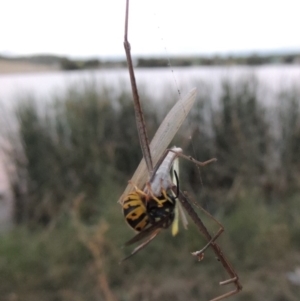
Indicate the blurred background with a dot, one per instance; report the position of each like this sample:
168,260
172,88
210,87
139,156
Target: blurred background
68,146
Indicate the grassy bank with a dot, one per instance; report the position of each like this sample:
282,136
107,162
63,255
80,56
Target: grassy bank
73,159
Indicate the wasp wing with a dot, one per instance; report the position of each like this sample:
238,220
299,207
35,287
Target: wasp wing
163,138
178,208
146,232
142,245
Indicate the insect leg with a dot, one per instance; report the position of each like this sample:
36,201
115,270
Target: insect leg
216,248
140,121
190,158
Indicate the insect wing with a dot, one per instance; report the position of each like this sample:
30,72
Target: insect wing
142,245
162,138
175,223
178,208
145,233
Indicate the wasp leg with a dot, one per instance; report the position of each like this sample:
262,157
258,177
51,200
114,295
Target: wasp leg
139,191
151,196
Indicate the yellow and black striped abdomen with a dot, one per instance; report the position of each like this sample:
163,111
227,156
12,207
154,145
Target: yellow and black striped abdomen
140,213
135,211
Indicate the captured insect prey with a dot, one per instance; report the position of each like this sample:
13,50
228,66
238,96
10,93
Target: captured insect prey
153,199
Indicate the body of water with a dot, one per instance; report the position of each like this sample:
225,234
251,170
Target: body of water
274,78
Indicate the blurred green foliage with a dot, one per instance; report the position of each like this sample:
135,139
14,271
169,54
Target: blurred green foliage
74,160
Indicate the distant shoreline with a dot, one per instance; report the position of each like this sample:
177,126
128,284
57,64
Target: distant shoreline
12,67
48,63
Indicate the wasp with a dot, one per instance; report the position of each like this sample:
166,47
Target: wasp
154,208
141,210
157,201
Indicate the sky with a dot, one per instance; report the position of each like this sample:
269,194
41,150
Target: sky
90,28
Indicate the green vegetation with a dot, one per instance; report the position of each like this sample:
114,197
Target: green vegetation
74,160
